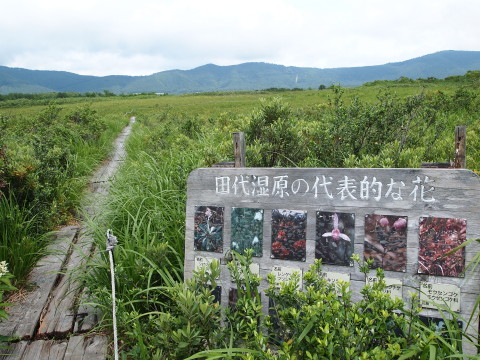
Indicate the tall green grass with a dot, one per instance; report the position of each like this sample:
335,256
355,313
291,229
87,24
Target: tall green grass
146,211
45,162
19,246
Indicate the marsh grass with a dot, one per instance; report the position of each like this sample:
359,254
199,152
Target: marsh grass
20,247
46,159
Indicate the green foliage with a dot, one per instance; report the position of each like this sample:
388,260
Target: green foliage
320,322
323,322
274,136
388,132
44,163
5,286
18,244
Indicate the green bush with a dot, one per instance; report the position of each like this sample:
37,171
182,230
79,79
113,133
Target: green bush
44,163
274,136
320,322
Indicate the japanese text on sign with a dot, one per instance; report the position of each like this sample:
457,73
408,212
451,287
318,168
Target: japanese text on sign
335,277
419,189
204,262
284,273
431,293
393,286
254,269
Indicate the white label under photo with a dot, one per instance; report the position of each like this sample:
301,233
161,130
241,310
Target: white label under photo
202,261
284,273
441,294
254,269
334,277
393,286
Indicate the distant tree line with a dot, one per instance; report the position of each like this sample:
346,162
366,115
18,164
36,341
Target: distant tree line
470,78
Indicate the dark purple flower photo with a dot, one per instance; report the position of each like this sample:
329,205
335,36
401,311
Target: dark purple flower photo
335,236
386,241
439,236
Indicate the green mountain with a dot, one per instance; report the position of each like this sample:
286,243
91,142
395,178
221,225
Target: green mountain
247,76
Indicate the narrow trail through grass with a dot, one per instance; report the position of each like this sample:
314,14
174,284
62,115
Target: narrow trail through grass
50,321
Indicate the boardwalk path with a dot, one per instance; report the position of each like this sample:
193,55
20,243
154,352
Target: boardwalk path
47,323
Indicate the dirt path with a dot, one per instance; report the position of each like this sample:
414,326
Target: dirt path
48,323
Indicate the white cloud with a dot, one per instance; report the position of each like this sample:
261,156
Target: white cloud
142,37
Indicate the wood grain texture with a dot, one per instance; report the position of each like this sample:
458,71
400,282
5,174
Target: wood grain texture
59,316
25,314
87,348
13,351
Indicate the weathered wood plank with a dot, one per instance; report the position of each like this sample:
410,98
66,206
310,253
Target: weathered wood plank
87,316
59,316
87,348
45,350
239,148
24,315
460,160
106,172
14,351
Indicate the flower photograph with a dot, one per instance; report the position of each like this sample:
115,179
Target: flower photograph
247,230
386,241
335,236
208,228
289,234
437,237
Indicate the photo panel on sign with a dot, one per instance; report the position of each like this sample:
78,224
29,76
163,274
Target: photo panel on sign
386,241
289,229
438,237
208,228
247,230
335,237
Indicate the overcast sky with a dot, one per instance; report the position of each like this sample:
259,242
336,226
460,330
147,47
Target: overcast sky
141,37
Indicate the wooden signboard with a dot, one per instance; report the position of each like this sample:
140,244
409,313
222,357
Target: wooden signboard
405,220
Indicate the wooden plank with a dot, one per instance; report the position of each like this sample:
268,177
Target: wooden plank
109,168
225,164
87,348
87,316
45,350
437,165
14,351
59,315
24,315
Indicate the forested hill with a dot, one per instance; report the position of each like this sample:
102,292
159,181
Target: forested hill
247,76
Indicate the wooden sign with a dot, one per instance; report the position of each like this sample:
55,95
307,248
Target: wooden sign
404,221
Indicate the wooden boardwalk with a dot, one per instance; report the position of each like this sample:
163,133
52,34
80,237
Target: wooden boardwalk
53,321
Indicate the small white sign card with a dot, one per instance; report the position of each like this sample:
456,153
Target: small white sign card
394,286
284,273
434,293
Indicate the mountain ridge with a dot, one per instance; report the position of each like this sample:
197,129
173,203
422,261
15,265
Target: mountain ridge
245,76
